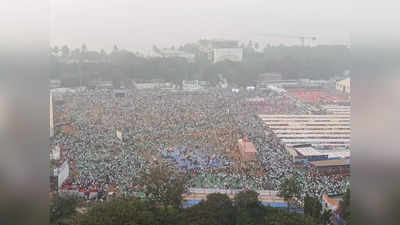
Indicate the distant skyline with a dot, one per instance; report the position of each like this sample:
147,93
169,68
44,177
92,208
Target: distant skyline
138,25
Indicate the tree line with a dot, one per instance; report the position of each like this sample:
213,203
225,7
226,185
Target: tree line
293,62
163,204
217,209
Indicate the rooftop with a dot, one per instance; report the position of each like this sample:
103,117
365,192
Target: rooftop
338,162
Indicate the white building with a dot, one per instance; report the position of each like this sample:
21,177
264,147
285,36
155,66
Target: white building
231,54
343,85
321,131
55,153
190,85
153,85
171,53
220,50
61,173
55,83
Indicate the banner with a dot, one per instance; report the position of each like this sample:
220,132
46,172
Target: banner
63,173
119,135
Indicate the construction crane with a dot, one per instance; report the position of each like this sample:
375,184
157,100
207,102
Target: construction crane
301,38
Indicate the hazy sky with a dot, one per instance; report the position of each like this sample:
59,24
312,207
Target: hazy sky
137,25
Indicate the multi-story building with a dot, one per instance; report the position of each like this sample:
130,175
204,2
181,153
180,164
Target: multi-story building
171,53
343,85
220,50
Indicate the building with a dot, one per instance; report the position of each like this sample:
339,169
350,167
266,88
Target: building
172,53
316,84
302,154
337,109
337,153
153,85
220,50
190,85
270,77
206,45
266,197
321,131
319,96
59,172
264,84
204,84
246,149
329,167
306,153
100,84
55,153
229,54
55,83
343,85
120,93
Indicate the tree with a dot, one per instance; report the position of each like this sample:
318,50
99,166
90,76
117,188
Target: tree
83,52
279,217
248,208
290,191
245,198
83,49
313,207
65,51
164,186
222,207
103,53
216,210
156,49
55,50
118,212
319,62
168,215
76,53
61,209
250,44
344,207
115,48
326,217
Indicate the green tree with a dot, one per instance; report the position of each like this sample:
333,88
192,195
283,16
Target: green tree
248,208
319,62
118,212
164,186
222,208
326,217
216,210
344,207
290,191
279,217
61,209
168,215
312,207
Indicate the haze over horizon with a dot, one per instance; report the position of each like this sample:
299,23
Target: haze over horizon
129,25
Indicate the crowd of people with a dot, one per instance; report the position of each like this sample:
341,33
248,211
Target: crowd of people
195,133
